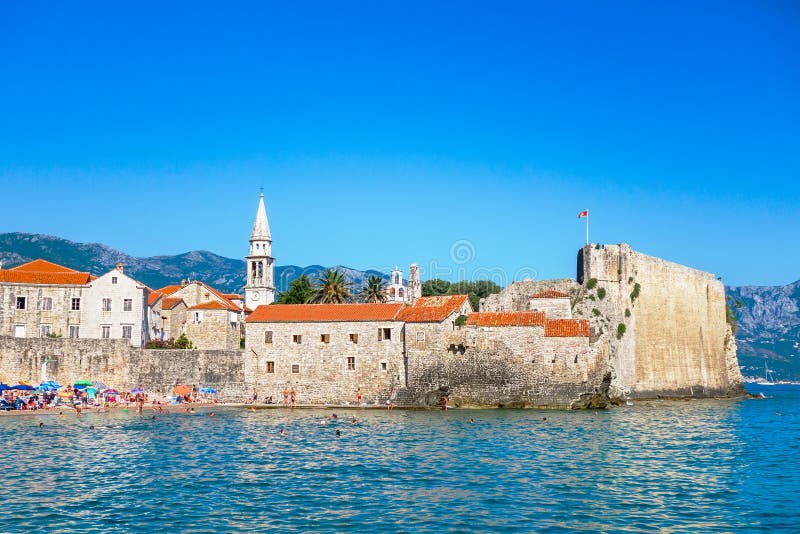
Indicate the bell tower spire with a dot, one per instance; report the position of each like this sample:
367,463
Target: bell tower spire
260,288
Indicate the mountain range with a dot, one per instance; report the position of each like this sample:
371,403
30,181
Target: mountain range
768,319
225,274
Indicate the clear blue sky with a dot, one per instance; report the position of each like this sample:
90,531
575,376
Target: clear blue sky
383,133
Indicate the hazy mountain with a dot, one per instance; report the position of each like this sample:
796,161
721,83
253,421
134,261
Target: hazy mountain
225,274
769,329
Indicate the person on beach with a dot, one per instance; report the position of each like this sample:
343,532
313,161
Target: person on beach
293,397
286,396
358,396
445,401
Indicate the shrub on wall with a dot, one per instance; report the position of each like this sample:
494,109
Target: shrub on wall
627,312
461,320
635,292
595,312
601,293
183,342
591,283
620,330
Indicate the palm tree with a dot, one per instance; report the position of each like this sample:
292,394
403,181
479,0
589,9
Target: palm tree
373,290
332,288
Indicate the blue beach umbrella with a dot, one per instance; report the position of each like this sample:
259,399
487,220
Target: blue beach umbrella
22,387
207,389
4,387
137,390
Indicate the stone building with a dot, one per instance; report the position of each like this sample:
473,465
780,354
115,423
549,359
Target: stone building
116,308
326,352
556,304
40,298
208,317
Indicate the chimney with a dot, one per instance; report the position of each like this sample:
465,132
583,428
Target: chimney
120,267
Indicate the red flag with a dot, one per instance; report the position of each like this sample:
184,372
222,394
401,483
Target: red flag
584,213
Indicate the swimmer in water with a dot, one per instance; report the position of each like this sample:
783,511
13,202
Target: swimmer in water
41,425
283,432
211,414
153,418
338,433
354,421
91,427
471,420
334,417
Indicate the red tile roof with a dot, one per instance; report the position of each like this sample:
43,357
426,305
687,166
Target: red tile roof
301,313
45,272
153,297
507,319
233,296
432,309
550,294
43,266
215,305
169,290
566,328
168,303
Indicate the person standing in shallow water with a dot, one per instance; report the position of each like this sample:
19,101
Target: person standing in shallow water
286,396
293,397
358,396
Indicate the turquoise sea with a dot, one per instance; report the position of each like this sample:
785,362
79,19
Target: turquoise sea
683,466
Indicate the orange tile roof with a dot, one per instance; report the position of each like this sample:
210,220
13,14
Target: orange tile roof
43,266
301,313
45,273
432,309
168,303
169,290
153,297
233,296
215,305
550,294
566,328
527,318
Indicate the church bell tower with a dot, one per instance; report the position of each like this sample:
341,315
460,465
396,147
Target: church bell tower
260,288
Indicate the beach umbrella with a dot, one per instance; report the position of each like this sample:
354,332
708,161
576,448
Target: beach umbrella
207,389
82,383
4,387
49,386
24,383
111,392
137,390
182,390
99,385
79,386
23,387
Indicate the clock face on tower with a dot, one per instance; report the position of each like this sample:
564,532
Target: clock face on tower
255,296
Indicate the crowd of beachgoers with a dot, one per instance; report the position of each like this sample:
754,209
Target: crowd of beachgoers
85,394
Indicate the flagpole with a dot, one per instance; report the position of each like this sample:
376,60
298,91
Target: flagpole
587,227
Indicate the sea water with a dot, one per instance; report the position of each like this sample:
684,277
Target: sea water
679,466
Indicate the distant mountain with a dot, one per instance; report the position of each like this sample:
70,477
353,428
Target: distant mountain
769,330
225,274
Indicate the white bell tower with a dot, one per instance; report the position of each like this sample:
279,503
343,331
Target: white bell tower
260,288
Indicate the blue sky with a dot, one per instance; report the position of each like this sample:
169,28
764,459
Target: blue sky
387,134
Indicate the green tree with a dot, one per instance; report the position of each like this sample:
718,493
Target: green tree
476,290
300,291
331,288
373,290
183,342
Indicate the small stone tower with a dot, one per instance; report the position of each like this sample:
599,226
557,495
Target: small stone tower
414,284
260,288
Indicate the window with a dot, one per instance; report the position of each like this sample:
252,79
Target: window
268,336
19,330
106,304
325,338
351,363
420,337
76,305
295,368
384,366
113,279
22,303
297,338
47,303
198,317
106,332
353,338
271,367
44,330
74,330
127,330
384,334
127,305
